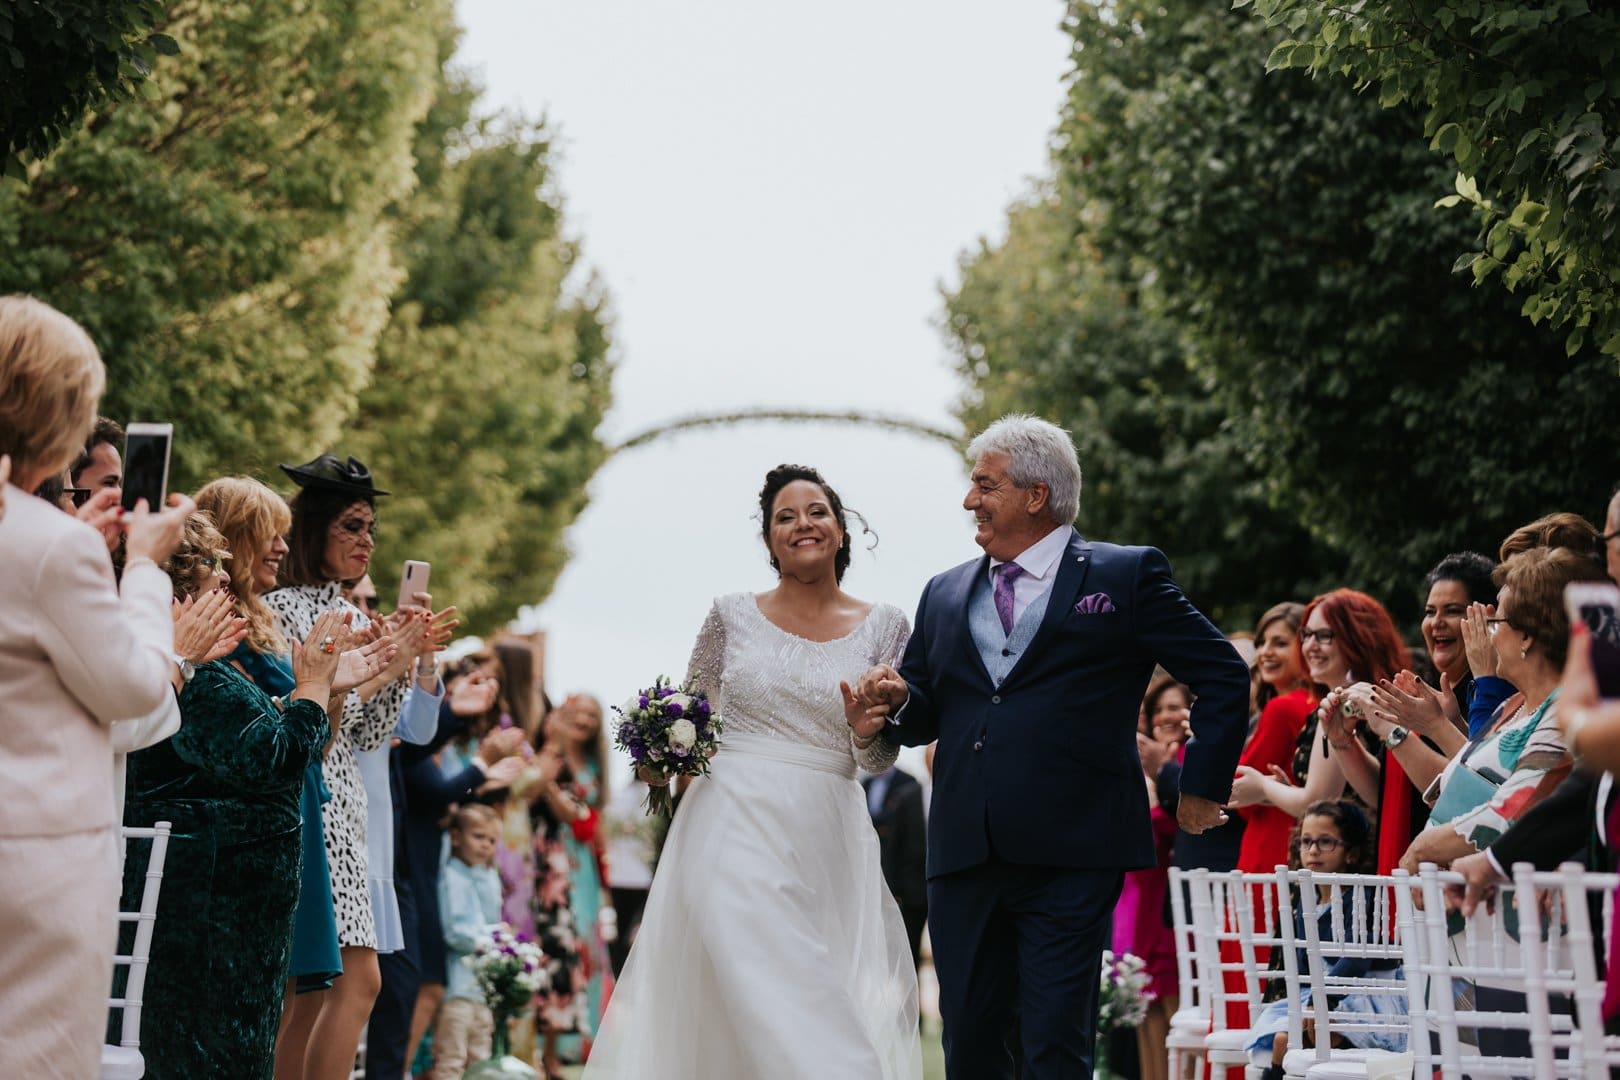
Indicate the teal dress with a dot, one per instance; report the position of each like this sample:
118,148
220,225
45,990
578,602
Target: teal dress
316,959
230,780
587,896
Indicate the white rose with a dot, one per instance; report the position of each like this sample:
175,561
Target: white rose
631,706
684,701
682,734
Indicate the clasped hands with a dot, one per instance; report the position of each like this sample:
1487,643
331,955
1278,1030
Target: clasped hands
876,696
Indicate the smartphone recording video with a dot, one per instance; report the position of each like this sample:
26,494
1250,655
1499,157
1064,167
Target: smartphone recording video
146,464
1598,606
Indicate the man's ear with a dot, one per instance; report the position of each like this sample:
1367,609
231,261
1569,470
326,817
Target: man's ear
1036,501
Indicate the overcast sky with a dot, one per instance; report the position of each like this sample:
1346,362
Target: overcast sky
773,195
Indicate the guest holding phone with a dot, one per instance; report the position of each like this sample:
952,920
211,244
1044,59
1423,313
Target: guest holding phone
333,535
76,656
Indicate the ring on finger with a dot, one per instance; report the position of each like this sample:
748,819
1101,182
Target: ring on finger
328,645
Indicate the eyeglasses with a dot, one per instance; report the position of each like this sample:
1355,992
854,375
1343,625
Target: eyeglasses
79,495
365,603
1606,537
1321,637
1493,625
215,563
1321,843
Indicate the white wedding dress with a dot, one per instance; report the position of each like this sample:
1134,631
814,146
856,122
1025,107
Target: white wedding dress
770,948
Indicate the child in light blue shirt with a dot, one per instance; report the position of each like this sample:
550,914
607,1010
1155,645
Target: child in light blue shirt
469,908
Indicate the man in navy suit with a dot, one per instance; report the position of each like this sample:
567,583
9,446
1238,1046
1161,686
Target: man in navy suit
1029,665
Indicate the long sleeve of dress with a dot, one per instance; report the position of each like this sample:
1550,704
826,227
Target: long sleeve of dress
881,753
233,730
707,666
1489,693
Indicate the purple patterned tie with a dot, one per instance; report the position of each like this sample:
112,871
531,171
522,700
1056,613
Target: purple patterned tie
1006,574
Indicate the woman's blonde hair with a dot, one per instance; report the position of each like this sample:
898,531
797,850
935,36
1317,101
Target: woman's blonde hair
200,543
250,516
51,379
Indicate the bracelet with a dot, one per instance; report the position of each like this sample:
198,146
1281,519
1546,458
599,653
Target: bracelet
859,745
1338,745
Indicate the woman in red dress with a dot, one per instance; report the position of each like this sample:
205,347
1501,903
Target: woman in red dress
1285,701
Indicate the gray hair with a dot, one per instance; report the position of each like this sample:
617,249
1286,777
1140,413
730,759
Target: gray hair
1038,452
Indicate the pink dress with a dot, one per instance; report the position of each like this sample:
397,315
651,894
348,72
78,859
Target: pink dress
1139,925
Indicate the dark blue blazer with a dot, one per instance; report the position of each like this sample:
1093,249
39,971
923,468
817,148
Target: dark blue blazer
1044,771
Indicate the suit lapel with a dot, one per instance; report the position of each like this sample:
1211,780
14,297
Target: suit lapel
1071,577
959,600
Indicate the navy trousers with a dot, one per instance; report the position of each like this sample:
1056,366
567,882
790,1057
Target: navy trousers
1018,950
389,1028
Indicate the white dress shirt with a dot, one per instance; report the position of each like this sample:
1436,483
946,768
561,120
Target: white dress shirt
1039,562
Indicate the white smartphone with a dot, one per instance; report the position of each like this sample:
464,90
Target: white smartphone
412,580
146,464
1597,604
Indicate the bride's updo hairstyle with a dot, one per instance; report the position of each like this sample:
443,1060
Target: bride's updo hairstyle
779,478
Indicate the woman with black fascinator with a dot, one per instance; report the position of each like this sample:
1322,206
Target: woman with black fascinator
769,895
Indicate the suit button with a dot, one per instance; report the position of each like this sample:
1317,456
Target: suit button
1006,652
978,745
996,700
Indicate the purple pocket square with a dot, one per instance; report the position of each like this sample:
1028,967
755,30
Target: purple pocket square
1098,603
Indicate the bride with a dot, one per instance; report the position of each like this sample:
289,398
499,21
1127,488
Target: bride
770,946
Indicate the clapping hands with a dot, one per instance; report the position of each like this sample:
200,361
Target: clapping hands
207,627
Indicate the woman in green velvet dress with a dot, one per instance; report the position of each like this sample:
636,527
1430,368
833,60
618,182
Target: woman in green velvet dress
230,780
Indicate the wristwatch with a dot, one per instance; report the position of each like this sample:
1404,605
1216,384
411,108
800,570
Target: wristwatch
187,668
1396,736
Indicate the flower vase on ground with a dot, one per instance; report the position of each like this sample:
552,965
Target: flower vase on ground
501,1065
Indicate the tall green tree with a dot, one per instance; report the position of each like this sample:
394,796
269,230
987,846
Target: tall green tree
1525,97
493,372
1042,323
61,58
1284,231
226,244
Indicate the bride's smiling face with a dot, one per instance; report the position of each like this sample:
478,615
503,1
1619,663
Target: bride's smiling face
805,536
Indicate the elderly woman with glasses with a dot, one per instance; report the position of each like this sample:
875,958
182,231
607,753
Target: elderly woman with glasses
230,780
1522,755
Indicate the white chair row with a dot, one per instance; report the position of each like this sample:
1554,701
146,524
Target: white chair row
1384,961
122,1060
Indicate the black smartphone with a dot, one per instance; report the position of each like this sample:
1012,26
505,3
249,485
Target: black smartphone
1598,605
146,464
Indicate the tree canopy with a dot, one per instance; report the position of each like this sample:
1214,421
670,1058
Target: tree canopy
62,58
306,242
1237,290
1525,98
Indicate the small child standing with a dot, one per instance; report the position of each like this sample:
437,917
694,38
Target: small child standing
469,907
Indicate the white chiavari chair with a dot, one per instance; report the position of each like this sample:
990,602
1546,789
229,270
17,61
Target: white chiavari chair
122,1060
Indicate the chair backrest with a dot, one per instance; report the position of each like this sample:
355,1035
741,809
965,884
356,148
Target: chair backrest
1189,985
1236,925
1515,954
129,1031
1362,965
1587,901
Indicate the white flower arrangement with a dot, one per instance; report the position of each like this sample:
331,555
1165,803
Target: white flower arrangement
1124,998
509,970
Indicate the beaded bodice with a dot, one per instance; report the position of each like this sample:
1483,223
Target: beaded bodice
766,681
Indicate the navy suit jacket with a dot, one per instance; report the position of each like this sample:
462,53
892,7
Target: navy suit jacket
1043,770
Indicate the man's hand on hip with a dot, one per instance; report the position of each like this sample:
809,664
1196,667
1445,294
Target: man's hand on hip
1196,814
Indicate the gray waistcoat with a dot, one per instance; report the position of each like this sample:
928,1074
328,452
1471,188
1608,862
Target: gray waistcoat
985,625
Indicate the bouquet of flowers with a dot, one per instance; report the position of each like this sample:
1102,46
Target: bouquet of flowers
1124,997
668,731
509,970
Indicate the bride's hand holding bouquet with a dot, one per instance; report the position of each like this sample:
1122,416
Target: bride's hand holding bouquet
668,731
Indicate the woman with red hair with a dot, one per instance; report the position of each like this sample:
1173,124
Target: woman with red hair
1348,643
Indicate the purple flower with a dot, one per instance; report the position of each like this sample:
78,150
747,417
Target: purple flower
675,712
642,700
703,709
